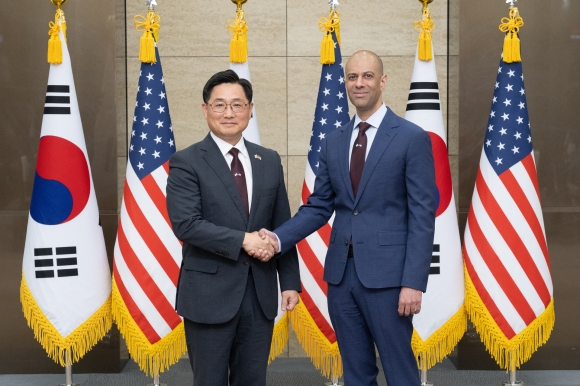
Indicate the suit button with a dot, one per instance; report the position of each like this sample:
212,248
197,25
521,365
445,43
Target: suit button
355,212
245,262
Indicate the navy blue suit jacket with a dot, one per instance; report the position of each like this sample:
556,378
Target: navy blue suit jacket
392,219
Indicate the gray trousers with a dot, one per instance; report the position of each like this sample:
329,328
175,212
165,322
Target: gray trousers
241,346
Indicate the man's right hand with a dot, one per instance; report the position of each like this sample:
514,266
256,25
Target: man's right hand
258,247
273,239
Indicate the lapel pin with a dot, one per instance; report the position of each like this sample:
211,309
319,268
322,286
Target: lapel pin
258,157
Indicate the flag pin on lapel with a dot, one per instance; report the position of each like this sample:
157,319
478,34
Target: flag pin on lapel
258,157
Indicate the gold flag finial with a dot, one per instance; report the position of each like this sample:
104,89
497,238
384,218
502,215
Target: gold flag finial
150,27
239,31
425,26
328,26
511,27
54,55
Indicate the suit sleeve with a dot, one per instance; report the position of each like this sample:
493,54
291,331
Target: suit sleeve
421,190
185,213
315,213
288,271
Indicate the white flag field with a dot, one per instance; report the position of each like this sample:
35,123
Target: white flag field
66,281
251,133
443,320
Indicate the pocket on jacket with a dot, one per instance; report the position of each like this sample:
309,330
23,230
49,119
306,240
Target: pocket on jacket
200,265
392,238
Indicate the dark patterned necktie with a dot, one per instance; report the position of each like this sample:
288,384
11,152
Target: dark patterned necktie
357,157
240,178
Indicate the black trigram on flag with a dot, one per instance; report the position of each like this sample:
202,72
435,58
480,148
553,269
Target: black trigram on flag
57,100
44,262
424,96
435,268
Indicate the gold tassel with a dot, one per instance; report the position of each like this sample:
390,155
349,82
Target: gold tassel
523,345
426,26
325,356
328,26
152,358
150,28
511,44
78,342
239,43
54,44
279,337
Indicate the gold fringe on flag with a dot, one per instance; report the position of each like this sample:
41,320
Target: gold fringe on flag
511,44
426,26
239,31
150,27
162,354
78,342
324,355
441,342
328,26
54,44
523,345
279,337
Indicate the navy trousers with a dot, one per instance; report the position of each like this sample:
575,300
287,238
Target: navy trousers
364,317
241,346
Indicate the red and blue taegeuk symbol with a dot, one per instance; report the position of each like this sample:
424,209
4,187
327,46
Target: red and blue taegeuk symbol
442,173
62,182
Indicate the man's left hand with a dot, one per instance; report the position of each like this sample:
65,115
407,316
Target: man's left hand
409,301
289,300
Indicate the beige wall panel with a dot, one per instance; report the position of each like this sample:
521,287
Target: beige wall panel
399,70
120,28
453,129
120,102
121,171
385,27
454,27
454,166
198,28
296,168
295,349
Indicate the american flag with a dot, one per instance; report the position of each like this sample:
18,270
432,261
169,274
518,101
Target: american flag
506,254
147,254
331,113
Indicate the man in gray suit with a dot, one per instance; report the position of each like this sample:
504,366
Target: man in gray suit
220,191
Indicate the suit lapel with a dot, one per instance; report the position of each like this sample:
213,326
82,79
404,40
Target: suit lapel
383,138
217,162
257,178
345,150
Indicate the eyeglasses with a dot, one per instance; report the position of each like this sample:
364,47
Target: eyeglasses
220,107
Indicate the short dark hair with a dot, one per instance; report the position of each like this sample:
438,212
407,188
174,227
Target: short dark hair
227,76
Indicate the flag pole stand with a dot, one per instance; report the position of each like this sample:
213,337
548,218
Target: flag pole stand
424,372
68,371
156,375
512,381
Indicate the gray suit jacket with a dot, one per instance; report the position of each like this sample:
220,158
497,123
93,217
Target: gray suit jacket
208,216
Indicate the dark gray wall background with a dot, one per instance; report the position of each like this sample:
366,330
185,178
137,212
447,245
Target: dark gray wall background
23,80
550,41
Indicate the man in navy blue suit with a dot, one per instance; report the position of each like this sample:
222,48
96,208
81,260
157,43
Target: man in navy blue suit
377,174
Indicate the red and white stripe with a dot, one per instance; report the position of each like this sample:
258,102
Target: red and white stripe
311,254
506,254
147,254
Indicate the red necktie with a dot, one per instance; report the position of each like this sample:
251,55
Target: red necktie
357,157
240,178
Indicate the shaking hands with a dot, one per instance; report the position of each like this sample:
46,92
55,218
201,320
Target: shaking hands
262,245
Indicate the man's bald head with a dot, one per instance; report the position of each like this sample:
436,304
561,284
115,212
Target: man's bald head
367,55
365,82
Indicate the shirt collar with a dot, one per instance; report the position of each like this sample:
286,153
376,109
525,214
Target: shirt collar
375,119
226,147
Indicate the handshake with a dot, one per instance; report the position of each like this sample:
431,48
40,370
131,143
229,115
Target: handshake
261,245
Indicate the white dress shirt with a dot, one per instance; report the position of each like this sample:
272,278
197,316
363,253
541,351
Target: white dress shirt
375,121
244,157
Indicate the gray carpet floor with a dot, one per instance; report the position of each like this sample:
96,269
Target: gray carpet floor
294,372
